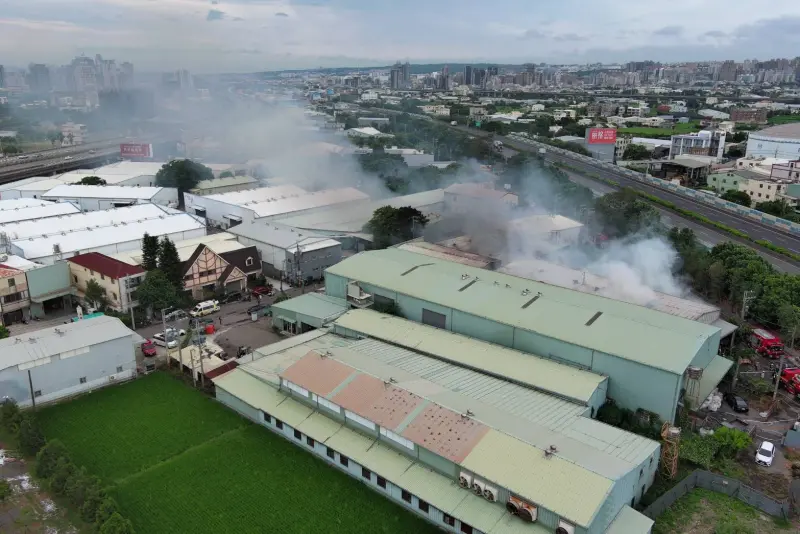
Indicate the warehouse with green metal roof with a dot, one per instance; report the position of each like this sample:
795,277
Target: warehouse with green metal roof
474,437
652,360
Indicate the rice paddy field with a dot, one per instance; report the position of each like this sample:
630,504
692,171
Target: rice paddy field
179,462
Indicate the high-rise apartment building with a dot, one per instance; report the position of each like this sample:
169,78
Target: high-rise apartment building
395,77
406,82
468,75
39,78
444,79
126,75
84,74
2,76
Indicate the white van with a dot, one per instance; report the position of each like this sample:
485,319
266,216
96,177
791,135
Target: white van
204,308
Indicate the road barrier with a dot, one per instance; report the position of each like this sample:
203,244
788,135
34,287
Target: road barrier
720,484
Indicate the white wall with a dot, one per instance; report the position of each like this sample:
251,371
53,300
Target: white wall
216,210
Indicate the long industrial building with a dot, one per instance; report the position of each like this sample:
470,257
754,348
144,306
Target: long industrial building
652,359
471,436
27,209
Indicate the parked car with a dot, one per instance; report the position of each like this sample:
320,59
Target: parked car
148,349
175,315
170,343
231,297
173,332
736,402
255,309
267,291
765,453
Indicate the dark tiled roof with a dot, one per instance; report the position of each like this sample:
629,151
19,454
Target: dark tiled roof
238,258
105,265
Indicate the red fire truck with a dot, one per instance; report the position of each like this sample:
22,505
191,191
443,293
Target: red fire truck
766,343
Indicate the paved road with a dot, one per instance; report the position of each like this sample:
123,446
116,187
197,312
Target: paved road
54,153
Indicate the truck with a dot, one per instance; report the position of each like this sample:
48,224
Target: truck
790,380
766,343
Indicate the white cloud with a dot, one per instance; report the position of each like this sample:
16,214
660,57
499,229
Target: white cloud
268,34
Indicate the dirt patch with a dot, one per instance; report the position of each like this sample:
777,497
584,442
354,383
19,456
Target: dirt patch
30,509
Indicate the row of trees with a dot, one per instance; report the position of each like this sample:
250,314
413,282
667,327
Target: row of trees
61,476
724,273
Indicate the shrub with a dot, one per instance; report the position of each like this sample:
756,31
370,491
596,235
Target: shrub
47,458
30,435
731,441
63,472
117,524
106,509
5,490
699,450
93,498
75,486
10,415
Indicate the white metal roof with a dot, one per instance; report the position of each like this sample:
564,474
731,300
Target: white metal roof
47,209
39,347
317,199
19,203
102,191
132,168
219,243
248,197
110,178
543,223
87,240
225,182
282,236
81,221
17,262
39,185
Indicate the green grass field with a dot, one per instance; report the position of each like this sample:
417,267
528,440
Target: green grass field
181,462
665,133
783,119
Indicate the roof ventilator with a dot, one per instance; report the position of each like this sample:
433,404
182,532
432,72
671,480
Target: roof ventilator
596,316
550,451
534,299
469,284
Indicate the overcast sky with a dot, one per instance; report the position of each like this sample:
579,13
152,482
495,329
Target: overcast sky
250,35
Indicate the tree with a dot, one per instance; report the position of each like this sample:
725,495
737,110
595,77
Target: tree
778,208
735,152
395,224
92,180
156,291
47,458
10,415
183,174
5,490
116,524
622,213
149,252
169,263
4,333
789,321
92,501
636,152
737,197
95,295
30,435
62,473
731,441
106,509
226,174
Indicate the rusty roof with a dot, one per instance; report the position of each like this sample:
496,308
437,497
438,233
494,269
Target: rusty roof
317,373
445,432
384,404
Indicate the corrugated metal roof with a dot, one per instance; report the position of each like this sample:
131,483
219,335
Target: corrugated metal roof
102,191
21,203
442,492
313,305
283,236
291,412
618,328
523,368
51,342
319,427
479,513
511,524
447,253
250,390
318,374
712,375
228,181
551,482
629,521
349,443
388,462
49,209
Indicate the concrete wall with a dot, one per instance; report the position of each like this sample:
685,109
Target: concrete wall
62,376
45,281
215,210
632,385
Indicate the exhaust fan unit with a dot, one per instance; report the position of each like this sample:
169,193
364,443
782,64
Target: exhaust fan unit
477,488
465,481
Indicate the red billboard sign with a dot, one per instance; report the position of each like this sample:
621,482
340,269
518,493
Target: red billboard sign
136,150
602,136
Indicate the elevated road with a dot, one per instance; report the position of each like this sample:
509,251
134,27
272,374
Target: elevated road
56,165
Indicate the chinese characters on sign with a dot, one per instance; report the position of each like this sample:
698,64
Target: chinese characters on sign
602,135
133,150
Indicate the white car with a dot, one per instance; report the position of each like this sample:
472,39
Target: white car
765,453
171,343
172,332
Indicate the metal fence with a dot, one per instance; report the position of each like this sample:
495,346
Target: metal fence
719,484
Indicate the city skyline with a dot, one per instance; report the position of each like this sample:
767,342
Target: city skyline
255,35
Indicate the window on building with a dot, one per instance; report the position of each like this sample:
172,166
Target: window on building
366,473
759,194
344,460
448,520
278,424
466,529
309,441
432,318
298,435
248,262
37,393
761,186
331,453
406,496
267,417
423,506
641,473
83,380
12,282
381,482
119,368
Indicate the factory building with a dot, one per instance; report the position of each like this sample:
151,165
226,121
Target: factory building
652,359
28,209
103,197
230,209
439,423
53,363
55,244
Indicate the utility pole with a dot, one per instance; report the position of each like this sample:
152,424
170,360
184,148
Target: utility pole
166,341
133,321
747,298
